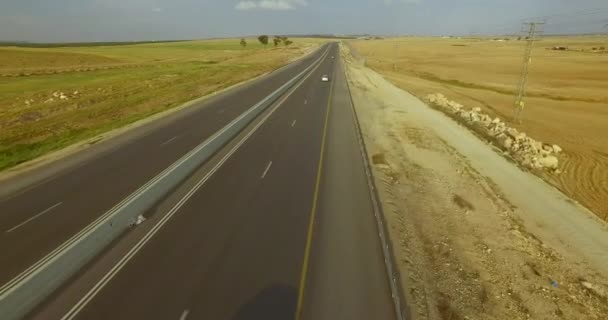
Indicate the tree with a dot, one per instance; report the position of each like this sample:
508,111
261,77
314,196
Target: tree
243,43
277,40
263,39
287,42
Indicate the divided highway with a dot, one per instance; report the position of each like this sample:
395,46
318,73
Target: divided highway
36,220
279,225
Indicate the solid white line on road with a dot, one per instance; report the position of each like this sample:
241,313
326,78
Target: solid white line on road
293,123
305,101
34,217
168,141
267,168
184,314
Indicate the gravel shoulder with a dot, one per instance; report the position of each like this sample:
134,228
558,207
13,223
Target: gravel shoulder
475,236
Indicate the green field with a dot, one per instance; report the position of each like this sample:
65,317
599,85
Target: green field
54,97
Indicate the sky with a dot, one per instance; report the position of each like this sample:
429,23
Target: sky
132,20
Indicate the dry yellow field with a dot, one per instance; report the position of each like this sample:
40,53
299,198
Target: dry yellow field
567,100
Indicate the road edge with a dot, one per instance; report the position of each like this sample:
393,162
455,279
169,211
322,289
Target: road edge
402,310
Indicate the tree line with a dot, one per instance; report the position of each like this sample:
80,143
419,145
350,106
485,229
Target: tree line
264,39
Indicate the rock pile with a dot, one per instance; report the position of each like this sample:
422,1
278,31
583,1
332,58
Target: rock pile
525,150
61,96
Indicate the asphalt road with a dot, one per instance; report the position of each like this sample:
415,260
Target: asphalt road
37,219
243,247
347,276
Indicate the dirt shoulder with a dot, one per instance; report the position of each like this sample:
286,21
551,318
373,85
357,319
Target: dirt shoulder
475,236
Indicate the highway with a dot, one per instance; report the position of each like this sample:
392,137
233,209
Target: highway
37,219
278,225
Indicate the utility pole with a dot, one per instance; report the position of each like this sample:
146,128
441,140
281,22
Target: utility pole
534,29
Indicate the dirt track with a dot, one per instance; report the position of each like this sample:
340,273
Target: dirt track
475,237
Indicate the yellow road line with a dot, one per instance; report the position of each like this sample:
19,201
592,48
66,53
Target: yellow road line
313,210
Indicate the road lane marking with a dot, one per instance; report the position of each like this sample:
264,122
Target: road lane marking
184,315
34,217
75,310
221,111
313,210
168,141
293,123
305,101
267,168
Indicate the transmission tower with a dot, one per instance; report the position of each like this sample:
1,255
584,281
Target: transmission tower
534,30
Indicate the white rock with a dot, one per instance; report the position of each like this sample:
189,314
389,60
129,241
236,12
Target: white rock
595,289
507,142
137,221
512,132
550,162
475,117
557,149
476,109
496,120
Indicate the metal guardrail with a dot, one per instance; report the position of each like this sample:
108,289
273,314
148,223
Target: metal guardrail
22,294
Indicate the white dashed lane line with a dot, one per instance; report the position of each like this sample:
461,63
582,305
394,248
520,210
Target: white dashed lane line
267,169
168,141
34,217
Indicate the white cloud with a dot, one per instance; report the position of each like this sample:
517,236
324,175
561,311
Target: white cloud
271,4
246,5
157,9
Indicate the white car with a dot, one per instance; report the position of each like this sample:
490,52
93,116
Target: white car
325,78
